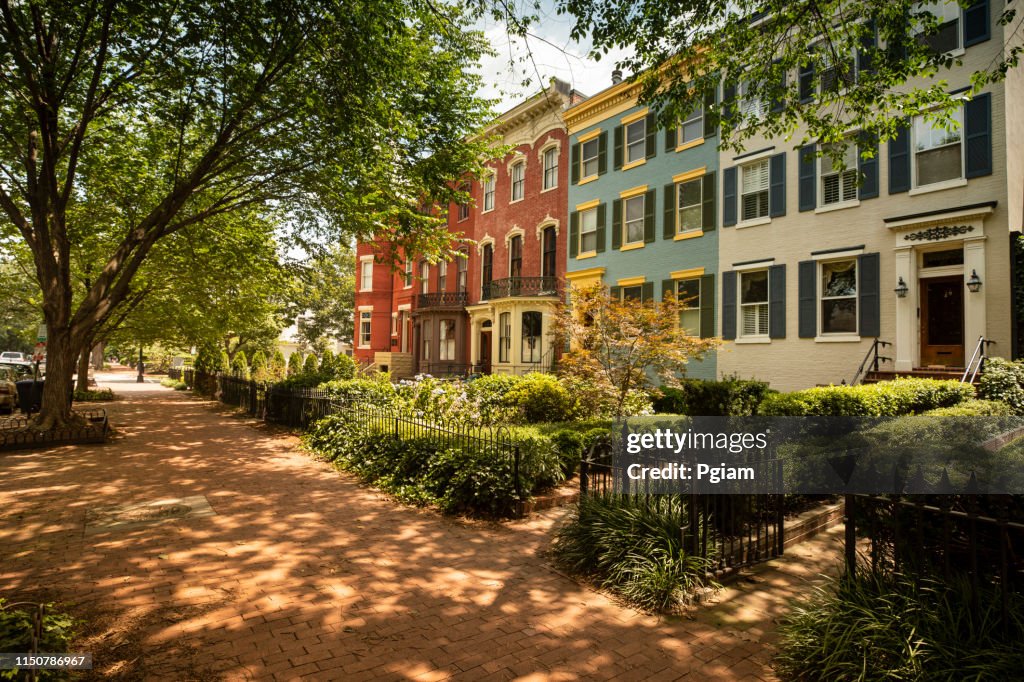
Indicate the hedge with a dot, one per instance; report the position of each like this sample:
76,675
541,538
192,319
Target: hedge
902,396
730,397
1003,380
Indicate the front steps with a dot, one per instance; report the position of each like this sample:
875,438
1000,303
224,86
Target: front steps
933,372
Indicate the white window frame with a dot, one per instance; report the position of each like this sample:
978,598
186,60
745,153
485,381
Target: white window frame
407,280
549,170
641,144
462,275
505,338
695,117
442,276
680,207
394,324
847,178
519,167
950,7
424,277
583,215
489,193
914,141
536,349
748,105
744,170
695,305
822,298
365,328
642,199
761,307
446,341
584,159
364,275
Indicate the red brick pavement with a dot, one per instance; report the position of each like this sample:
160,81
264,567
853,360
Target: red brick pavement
303,574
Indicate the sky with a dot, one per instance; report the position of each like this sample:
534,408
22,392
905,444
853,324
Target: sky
553,54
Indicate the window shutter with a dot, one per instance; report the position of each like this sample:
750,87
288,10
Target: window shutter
670,139
668,228
777,186
868,45
976,24
576,163
868,167
978,135
617,151
807,299
777,302
649,202
729,101
709,190
807,80
869,285
602,209
602,153
807,187
647,292
651,128
710,122
899,161
668,286
707,306
574,234
779,104
729,198
729,304
615,293
617,224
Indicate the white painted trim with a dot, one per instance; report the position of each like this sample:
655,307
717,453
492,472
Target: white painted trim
938,187
980,211
753,222
759,265
828,208
547,222
514,231
752,339
837,338
837,255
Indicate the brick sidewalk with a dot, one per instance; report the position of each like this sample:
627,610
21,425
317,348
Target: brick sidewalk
301,573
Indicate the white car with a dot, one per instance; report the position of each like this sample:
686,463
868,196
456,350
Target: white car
14,358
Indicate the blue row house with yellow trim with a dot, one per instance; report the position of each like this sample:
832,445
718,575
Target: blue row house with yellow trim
643,214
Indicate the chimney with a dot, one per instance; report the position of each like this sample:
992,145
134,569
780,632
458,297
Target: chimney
616,77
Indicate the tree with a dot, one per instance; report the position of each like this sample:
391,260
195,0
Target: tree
621,345
295,364
872,62
277,367
20,314
326,297
309,367
240,365
328,365
259,369
343,121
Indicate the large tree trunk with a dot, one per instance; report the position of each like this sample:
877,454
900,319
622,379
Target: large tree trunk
83,368
61,355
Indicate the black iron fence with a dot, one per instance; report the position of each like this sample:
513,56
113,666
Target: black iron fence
729,532
442,299
87,426
521,286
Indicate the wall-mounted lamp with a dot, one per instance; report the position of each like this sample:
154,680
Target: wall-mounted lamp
901,289
974,283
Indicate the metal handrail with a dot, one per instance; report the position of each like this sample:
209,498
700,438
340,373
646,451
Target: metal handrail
977,363
520,286
872,355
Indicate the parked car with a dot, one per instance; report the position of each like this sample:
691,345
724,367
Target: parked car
15,358
8,391
18,370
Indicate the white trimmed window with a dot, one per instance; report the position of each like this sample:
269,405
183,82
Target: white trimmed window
394,324
589,152
688,296
751,106
442,276
754,303
838,186
424,277
551,168
588,230
531,346
366,275
689,215
426,333
464,208
947,36
408,273
692,127
835,74
365,317
518,180
838,296
504,337
754,190
461,277
489,193
446,348
636,140
633,220
938,153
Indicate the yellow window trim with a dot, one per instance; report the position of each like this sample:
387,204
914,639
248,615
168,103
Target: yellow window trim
693,234
690,145
690,175
631,281
630,247
589,178
634,117
587,137
588,254
689,273
587,205
582,274
634,164
633,192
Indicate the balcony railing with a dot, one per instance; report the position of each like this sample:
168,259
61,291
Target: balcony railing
442,299
520,286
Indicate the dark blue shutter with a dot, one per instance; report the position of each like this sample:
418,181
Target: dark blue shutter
869,284
777,186
868,167
602,210
899,160
617,151
649,202
575,163
670,138
651,129
976,24
807,80
668,228
729,197
602,153
707,306
978,135
617,224
729,304
807,299
708,193
574,234
807,188
777,302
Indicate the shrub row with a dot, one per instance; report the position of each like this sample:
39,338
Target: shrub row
730,397
886,399
1003,380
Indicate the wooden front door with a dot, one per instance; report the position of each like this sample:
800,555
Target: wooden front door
942,321
485,352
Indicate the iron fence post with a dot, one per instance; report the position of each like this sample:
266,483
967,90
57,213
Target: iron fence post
850,537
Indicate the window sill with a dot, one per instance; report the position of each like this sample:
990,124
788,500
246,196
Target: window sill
516,201
837,338
688,235
549,189
633,164
752,340
828,208
589,178
588,254
938,187
633,246
361,347
487,210
689,145
753,222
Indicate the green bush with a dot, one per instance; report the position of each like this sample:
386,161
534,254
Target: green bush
240,365
328,365
632,548
1003,380
16,625
973,408
885,399
569,444
258,368
209,360
95,396
295,364
174,383
730,397
309,367
540,398
277,369
344,367
377,391
489,394
875,627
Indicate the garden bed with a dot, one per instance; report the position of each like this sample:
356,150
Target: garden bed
17,434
